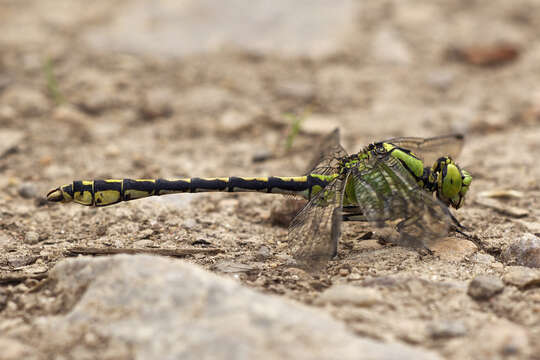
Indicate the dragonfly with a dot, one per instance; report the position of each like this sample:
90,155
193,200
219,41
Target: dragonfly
409,182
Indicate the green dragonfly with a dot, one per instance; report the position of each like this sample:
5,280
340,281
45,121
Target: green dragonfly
388,182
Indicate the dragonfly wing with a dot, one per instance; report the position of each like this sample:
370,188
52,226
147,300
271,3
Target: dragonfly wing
431,149
316,229
329,151
386,191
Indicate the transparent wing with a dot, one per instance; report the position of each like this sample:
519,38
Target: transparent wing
386,191
429,150
328,152
316,229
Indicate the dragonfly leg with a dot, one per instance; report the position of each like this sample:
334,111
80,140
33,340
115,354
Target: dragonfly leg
457,224
336,230
353,213
407,238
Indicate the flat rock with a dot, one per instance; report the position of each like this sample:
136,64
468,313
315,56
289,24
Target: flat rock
168,309
179,28
453,249
500,339
14,350
521,276
524,251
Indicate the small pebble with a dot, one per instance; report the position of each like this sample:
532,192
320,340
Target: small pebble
157,103
230,267
447,329
354,277
3,300
441,79
189,224
7,112
263,253
9,141
389,48
31,238
143,243
484,287
343,272
261,155
296,89
27,190
232,121
349,294
145,233
27,101
482,258
17,261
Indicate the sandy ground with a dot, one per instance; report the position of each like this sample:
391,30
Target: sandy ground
69,111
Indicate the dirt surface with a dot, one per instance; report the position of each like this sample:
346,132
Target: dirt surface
69,111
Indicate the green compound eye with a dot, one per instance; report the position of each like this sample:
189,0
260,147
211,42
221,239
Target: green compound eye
451,181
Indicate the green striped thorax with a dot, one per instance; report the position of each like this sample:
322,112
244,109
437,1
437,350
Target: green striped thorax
449,182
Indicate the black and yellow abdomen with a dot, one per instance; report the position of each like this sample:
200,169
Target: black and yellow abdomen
112,191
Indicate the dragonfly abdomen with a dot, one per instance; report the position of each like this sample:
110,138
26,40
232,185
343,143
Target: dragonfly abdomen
108,192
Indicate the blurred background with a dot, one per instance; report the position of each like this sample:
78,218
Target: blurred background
173,88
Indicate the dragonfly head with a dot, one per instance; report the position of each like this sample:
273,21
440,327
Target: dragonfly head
452,182
61,194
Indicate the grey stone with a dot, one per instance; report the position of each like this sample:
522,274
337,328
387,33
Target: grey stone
447,329
484,287
178,28
157,103
31,238
27,190
189,224
26,101
17,261
525,251
9,140
261,155
5,240
263,252
144,243
229,267
169,309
